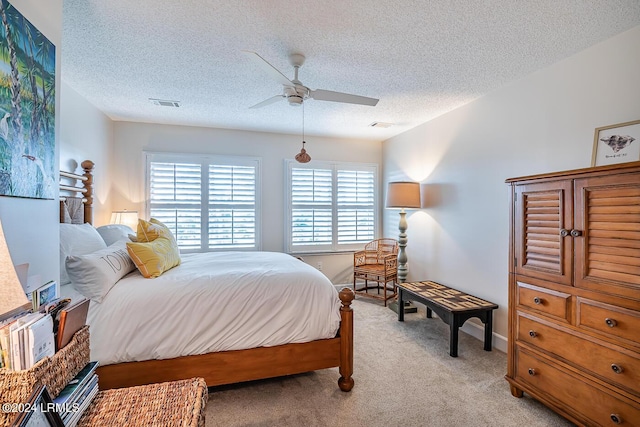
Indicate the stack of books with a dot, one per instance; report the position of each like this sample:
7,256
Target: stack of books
5,339
76,397
26,339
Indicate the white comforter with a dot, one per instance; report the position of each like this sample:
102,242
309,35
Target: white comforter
213,302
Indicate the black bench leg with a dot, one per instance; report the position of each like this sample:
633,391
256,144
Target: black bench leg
488,331
428,313
453,336
400,306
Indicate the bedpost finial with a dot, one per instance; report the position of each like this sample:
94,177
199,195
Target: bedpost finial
87,165
346,295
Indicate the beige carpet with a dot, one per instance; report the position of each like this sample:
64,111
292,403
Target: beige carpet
403,377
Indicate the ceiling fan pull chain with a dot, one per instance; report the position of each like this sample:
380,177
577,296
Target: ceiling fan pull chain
303,156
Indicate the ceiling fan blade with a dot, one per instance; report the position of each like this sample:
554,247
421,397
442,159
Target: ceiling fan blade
268,68
327,95
268,101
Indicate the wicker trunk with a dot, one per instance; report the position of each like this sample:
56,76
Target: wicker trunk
53,372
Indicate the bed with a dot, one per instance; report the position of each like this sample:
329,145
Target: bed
242,322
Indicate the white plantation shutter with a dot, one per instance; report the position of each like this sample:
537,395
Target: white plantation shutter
311,197
232,206
356,206
175,198
330,206
208,202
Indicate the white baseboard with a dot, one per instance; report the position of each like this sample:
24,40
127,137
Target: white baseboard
477,331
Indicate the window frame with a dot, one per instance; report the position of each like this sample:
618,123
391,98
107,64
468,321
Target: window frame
334,166
205,161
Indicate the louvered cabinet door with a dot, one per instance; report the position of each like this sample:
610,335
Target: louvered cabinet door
607,249
543,216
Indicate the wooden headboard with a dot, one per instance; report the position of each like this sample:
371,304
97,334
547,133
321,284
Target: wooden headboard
74,186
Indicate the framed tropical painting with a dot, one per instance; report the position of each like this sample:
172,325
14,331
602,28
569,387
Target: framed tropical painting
27,108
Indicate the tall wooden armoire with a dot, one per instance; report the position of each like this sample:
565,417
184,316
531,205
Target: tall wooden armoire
574,293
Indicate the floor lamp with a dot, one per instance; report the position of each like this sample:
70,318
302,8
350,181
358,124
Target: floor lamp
403,195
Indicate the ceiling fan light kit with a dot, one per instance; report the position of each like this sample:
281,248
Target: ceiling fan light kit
295,100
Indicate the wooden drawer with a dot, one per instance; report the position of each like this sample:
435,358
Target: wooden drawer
584,399
547,301
609,319
613,364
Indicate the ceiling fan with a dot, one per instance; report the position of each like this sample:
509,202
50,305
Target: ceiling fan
295,92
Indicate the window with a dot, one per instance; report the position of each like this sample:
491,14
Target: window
330,206
208,202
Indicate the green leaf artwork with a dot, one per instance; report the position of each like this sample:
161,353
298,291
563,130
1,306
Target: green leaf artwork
27,108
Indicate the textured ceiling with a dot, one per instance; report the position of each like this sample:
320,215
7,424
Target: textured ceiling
421,58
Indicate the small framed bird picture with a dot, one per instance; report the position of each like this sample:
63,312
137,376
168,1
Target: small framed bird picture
618,143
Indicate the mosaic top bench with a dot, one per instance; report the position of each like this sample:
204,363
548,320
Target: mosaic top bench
452,306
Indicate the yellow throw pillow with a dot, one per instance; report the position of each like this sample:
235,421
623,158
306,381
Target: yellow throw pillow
156,250
148,231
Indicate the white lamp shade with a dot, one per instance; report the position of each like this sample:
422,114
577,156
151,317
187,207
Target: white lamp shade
125,217
403,195
12,296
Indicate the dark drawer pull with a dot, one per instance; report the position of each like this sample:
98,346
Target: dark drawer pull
616,368
533,334
537,300
610,322
531,371
616,418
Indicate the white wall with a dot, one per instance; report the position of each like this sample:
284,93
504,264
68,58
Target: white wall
87,133
542,123
82,132
131,139
30,224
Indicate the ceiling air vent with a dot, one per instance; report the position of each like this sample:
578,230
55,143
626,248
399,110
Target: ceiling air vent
381,125
164,102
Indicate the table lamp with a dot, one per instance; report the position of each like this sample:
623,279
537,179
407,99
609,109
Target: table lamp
12,296
125,217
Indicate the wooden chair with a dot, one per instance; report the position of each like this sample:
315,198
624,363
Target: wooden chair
377,263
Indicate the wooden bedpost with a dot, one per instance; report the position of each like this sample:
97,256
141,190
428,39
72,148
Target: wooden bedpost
345,382
87,166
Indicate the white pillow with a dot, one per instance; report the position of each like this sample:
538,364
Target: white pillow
113,232
94,275
77,239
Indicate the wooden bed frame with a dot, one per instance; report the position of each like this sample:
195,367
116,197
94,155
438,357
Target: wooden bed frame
228,367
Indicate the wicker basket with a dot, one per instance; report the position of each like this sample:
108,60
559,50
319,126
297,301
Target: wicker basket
54,372
176,403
